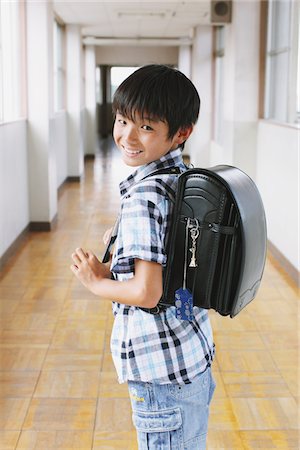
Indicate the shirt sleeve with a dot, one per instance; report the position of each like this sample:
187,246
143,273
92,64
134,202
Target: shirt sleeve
141,233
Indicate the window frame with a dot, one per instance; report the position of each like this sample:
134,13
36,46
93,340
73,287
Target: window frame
272,107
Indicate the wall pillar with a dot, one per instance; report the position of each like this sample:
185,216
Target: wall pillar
199,142
90,99
185,66
75,102
41,155
185,60
241,81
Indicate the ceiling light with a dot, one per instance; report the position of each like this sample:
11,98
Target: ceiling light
102,41
142,14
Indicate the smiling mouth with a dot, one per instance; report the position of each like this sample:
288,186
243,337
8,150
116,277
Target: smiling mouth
131,152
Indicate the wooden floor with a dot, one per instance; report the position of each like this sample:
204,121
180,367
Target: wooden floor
58,388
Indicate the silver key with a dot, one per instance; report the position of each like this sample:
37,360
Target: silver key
193,262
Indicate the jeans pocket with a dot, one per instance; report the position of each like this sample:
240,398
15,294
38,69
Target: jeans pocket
198,387
160,430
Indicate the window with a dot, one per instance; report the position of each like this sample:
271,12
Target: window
281,61
99,96
59,69
12,92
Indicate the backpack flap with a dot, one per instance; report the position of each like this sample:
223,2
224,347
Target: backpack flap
253,231
223,268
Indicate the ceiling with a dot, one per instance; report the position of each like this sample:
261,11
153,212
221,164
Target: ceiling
108,21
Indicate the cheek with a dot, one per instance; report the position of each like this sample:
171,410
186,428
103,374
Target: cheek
116,133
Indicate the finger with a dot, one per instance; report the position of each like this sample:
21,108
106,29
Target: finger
80,253
74,268
76,258
89,254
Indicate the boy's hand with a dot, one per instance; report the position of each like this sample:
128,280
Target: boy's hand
88,269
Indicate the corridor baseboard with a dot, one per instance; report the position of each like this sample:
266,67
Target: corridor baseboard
89,157
43,226
73,179
67,180
14,247
23,236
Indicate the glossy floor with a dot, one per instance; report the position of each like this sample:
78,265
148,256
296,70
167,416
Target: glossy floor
58,388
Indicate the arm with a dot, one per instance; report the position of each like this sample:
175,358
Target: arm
144,289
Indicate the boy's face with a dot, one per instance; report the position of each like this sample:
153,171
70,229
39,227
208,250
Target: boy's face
143,140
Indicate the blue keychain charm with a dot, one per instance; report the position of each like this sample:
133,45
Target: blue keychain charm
184,304
183,297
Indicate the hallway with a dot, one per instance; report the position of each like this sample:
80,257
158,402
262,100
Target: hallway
58,385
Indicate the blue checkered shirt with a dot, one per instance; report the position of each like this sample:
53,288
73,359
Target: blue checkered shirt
145,347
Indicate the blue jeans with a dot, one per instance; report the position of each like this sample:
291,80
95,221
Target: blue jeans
172,416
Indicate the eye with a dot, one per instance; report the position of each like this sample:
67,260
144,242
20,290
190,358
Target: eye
122,122
147,128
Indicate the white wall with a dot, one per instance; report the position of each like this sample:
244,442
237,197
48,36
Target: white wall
277,179
136,56
14,206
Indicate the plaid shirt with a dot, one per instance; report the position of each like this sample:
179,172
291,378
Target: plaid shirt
146,347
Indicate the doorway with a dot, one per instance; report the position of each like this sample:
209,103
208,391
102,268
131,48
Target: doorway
108,78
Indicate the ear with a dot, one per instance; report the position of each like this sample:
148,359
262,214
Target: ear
183,134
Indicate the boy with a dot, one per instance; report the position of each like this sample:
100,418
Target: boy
165,361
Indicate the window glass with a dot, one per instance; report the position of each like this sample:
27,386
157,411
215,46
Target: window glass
118,75
99,96
11,61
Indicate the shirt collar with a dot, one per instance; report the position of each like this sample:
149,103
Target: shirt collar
171,159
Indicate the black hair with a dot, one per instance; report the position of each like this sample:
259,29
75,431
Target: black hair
161,93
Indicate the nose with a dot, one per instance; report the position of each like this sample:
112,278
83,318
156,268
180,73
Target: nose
130,134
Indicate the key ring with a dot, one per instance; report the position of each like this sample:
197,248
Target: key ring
195,232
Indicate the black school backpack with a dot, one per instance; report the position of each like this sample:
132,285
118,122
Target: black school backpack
217,242
216,246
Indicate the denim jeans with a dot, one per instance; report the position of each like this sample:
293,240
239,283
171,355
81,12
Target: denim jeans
172,416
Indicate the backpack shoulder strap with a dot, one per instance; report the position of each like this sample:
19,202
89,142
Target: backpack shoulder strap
174,170
168,170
